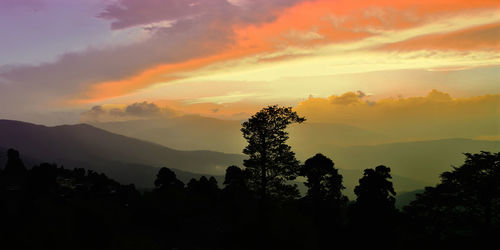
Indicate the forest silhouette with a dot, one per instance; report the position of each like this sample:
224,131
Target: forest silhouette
258,207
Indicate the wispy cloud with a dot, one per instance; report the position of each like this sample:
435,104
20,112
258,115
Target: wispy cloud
234,41
355,43
228,98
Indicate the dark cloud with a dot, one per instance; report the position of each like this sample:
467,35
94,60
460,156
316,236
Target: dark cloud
94,113
142,109
137,110
146,109
117,112
97,109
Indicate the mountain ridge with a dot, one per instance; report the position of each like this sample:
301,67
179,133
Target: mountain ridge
83,141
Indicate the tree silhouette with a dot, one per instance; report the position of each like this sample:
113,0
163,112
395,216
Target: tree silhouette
234,176
167,180
323,180
324,195
14,165
375,191
238,209
235,184
50,207
14,176
465,207
477,184
203,218
271,161
373,214
204,188
43,178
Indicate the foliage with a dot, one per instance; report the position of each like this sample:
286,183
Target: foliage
52,207
271,162
375,191
465,206
323,180
166,180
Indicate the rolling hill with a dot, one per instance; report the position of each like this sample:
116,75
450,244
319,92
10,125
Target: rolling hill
123,158
414,164
348,146
187,132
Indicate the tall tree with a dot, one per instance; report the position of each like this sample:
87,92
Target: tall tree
271,161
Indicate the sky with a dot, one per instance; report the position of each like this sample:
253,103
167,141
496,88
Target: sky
61,59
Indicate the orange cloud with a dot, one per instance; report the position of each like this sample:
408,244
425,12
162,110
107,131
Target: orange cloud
312,24
160,73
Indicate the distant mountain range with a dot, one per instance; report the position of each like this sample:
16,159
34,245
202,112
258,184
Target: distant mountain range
123,158
189,132
128,160
197,132
348,146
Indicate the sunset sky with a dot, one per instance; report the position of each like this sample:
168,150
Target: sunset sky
229,58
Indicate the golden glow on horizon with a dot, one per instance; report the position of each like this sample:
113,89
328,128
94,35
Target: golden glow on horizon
436,115
358,109
350,108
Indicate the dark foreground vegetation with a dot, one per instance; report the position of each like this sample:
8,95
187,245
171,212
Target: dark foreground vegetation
51,207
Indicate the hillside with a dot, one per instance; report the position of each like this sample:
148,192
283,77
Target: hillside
188,132
414,164
119,156
348,146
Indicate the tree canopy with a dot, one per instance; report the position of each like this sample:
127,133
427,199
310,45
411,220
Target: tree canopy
167,180
323,180
271,161
466,204
375,191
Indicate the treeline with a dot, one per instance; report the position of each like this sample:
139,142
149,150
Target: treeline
50,207
258,206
